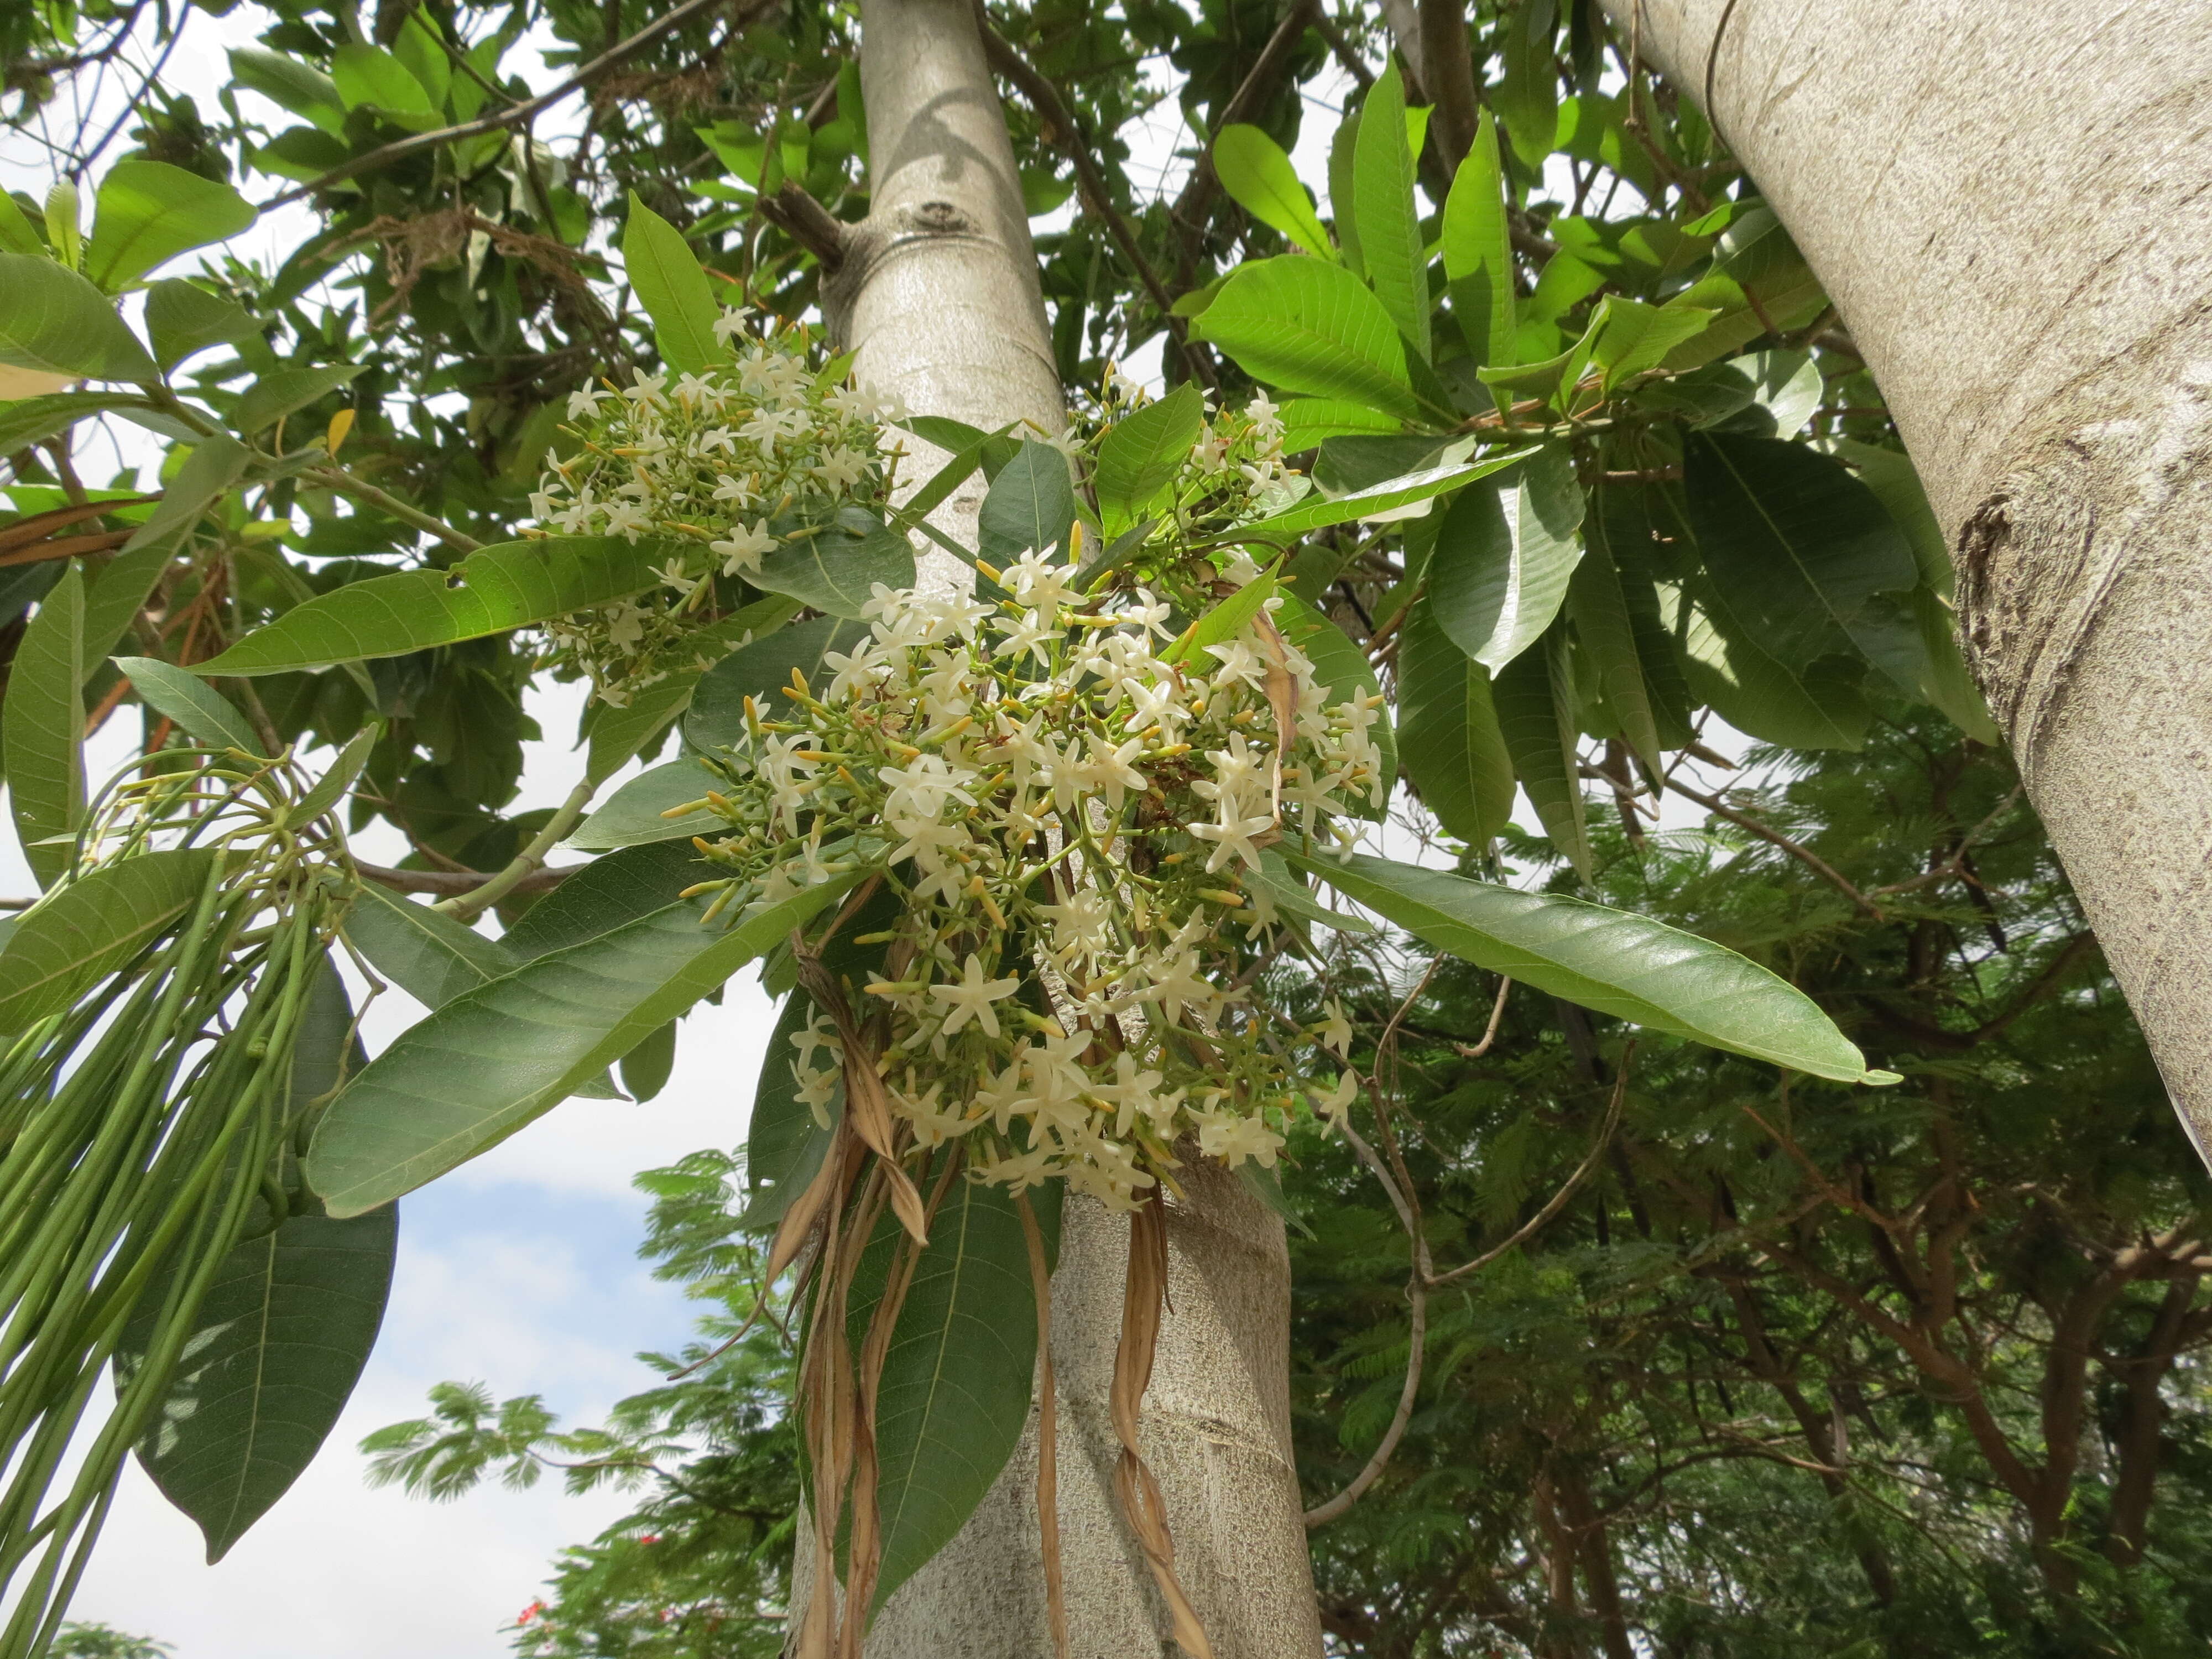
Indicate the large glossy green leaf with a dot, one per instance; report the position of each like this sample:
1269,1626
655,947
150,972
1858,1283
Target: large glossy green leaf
42,728
1799,545
716,719
1453,749
957,1377
1816,705
286,80
1502,560
838,567
28,421
1308,421
494,1058
149,212
1528,93
1344,191
1030,506
425,952
1343,667
80,933
509,586
607,893
632,816
617,734
54,320
1632,338
272,1356
1389,228
1380,500
1141,453
672,288
1536,718
1260,179
1308,326
187,699
183,318
1478,247
1611,961
784,1146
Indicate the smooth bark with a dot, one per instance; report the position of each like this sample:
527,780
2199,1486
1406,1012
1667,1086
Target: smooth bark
2010,204
938,294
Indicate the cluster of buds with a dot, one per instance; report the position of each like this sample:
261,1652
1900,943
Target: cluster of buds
1071,805
723,467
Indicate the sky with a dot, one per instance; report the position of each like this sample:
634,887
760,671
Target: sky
517,1270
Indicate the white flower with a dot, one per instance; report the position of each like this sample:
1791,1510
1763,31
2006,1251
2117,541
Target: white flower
730,323
585,403
742,549
1233,838
1335,1032
970,997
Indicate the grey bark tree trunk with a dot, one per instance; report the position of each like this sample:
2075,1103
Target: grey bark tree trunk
938,297
2010,204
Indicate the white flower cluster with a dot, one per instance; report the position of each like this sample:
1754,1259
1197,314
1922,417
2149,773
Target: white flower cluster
723,467
1069,803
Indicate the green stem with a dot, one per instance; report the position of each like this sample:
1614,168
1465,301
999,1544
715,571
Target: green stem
467,907
336,478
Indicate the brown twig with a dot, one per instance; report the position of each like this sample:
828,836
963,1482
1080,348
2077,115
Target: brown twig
795,212
1477,1050
1805,856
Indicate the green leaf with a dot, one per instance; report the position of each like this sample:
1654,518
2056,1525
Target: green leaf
673,289
1141,453
1344,191
836,568
339,777
80,933
1502,560
291,84
606,894
273,1354
498,1057
1287,891
617,734
957,1379
1609,961
53,320
1889,473
1816,705
369,77
1224,622
1800,547
1945,680
716,719
505,587
183,318
1455,751
1343,667
644,1068
1260,179
1786,388
115,597
1376,501
42,729
632,815
416,46
204,479
1536,718
784,1146
1030,507
16,235
191,703
149,212
1389,228
1634,338
1756,261
1477,246
1308,421
283,391
1605,629
1527,94
1307,325
425,952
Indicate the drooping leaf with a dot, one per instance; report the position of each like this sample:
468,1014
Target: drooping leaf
509,586
1610,961
1379,500
272,1356
1597,604
1478,247
1389,228
1307,325
53,320
283,391
1030,506
204,716
1889,473
1260,179
1945,679
835,569
495,1058
42,729
149,212
716,719
339,777
78,933
1141,453
1455,751
631,817
957,1379
1633,338
1536,718
425,952
673,289
28,421
644,1068
183,318
1503,559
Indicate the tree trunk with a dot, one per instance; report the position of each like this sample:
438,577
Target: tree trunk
2007,202
938,294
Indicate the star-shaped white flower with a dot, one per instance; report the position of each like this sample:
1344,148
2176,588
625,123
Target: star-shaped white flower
970,997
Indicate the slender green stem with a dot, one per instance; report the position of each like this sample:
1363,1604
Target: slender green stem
469,906
336,478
